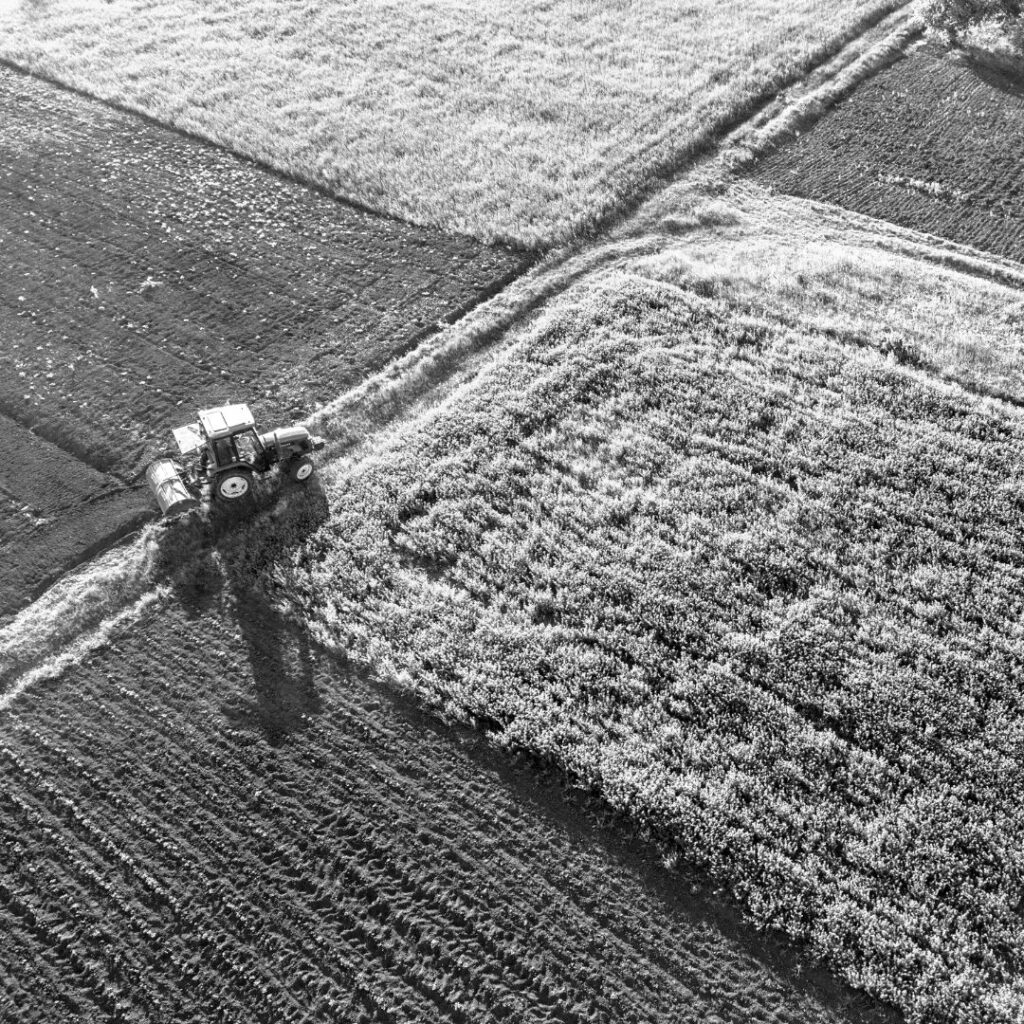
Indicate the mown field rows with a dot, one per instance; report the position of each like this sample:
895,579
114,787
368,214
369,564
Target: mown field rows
215,819
528,124
929,143
756,583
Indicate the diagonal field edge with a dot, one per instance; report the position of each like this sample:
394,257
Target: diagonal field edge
637,190
269,168
386,396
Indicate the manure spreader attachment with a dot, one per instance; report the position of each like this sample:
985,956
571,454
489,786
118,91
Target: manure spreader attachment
225,452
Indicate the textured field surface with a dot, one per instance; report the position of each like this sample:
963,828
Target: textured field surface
929,143
939,306
755,578
53,510
525,123
215,820
147,275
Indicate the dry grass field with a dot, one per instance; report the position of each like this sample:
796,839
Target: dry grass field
524,124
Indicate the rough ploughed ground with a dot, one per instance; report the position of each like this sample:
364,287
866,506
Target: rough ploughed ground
147,275
54,511
214,819
929,143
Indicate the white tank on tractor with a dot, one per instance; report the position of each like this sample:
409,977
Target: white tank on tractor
225,452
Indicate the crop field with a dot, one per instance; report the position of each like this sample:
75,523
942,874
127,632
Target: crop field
54,510
928,143
525,124
648,646
147,275
755,580
215,819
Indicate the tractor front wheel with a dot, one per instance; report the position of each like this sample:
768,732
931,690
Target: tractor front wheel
233,485
300,468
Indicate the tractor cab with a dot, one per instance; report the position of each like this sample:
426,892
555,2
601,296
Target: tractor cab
231,439
229,451
226,439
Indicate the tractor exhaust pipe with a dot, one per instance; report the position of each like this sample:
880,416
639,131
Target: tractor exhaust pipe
170,491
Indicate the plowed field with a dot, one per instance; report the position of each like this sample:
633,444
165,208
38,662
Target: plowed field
928,143
215,820
52,504
146,275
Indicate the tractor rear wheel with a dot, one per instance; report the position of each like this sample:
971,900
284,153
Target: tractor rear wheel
234,484
300,468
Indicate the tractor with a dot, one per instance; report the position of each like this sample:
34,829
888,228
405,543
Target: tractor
227,451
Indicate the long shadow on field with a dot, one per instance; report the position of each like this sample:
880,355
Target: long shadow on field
215,561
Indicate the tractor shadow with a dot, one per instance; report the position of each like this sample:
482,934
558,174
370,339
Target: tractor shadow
215,562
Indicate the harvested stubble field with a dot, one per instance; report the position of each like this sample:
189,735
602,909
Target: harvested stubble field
525,123
147,275
753,576
931,143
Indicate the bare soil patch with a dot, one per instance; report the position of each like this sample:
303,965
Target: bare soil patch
215,819
929,143
54,510
147,274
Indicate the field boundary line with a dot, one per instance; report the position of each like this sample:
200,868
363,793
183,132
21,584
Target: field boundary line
74,652
708,145
935,249
744,147
421,374
285,174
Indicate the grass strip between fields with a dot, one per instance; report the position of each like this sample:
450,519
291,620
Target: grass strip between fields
527,124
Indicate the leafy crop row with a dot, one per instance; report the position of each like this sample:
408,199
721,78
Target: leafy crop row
760,588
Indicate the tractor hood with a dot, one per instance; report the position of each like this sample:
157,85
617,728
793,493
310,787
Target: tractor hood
291,440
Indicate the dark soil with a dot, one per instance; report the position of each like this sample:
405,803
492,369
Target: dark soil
930,143
54,507
217,820
146,275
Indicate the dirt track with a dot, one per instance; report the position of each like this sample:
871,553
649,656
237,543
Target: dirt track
214,819
147,275
928,143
